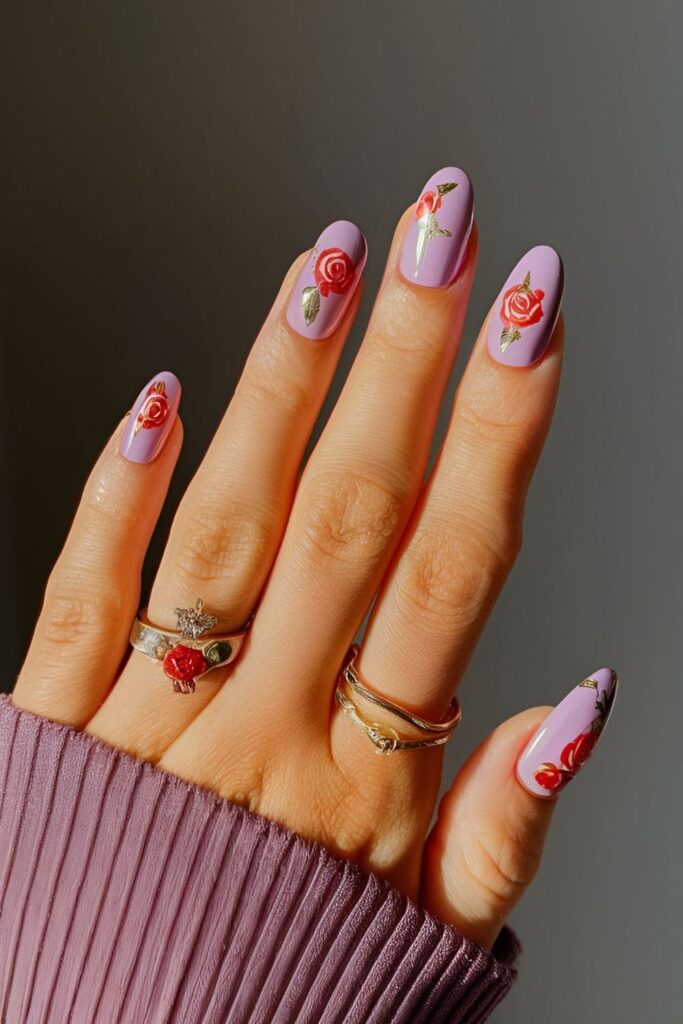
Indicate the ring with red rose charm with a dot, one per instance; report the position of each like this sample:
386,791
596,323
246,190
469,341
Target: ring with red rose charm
188,652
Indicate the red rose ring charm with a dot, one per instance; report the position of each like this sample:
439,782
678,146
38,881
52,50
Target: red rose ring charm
188,652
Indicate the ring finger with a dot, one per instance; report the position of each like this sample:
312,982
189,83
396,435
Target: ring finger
229,524
464,537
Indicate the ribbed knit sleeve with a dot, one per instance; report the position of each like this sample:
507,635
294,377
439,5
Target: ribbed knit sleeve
127,895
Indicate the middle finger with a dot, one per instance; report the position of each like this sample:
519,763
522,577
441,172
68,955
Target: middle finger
360,484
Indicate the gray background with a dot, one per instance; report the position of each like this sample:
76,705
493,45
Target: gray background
163,163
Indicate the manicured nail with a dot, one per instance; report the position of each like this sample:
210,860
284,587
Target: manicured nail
526,310
565,740
151,418
438,232
327,282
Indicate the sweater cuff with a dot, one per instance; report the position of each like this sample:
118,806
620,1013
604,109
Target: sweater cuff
128,895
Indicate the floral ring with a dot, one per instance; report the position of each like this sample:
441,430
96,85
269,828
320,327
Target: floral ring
186,653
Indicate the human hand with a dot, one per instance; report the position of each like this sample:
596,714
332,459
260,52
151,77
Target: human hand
307,554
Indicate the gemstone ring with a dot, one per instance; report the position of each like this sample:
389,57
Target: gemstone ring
186,653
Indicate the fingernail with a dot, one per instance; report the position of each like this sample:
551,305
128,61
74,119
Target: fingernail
326,284
526,310
566,739
438,231
151,418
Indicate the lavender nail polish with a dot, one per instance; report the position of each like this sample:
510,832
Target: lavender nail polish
326,284
565,740
151,418
527,308
437,235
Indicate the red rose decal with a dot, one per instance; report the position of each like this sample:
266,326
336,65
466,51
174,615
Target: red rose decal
576,753
429,202
333,271
521,307
553,777
154,409
550,777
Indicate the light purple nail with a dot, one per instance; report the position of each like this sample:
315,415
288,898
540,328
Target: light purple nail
565,740
326,284
437,235
151,418
526,310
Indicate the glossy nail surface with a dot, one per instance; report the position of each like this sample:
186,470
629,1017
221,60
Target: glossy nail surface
527,308
566,739
438,231
151,418
327,283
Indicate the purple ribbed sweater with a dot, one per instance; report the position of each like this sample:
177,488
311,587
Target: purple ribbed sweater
127,895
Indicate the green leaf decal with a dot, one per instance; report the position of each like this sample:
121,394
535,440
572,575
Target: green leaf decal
508,337
447,187
310,305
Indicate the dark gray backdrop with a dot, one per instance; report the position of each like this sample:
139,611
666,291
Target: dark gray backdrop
163,162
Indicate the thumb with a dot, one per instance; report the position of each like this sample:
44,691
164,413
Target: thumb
486,845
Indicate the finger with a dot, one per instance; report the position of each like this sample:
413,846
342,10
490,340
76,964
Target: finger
362,479
230,521
466,531
92,594
488,839
229,524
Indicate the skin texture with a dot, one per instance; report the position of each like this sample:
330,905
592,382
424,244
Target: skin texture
311,549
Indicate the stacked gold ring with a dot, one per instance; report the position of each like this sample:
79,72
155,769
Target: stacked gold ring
386,739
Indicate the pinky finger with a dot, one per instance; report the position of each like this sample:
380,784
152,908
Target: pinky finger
93,591
487,843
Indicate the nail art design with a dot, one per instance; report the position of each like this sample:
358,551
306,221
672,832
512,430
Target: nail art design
328,281
151,418
437,235
567,738
527,308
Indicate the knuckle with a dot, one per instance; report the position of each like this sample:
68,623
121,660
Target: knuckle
350,517
217,542
484,420
275,377
71,615
107,504
500,865
403,324
448,576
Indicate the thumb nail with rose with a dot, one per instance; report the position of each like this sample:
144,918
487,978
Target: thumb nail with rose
328,280
565,740
526,311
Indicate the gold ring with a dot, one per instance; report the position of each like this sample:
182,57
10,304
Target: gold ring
186,653
386,739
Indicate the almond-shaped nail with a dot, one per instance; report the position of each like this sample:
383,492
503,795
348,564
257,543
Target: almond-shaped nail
151,418
567,738
438,231
527,308
326,284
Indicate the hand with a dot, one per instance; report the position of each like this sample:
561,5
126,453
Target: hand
308,555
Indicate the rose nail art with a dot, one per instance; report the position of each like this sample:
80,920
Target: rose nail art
566,739
526,310
438,232
151,418
328,281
